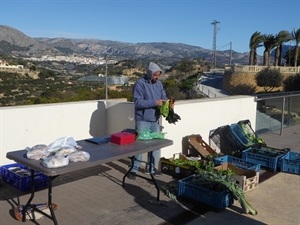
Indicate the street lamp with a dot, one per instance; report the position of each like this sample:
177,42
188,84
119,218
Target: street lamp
106,97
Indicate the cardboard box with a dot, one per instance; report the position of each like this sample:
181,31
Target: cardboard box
122,138
197,143
247,179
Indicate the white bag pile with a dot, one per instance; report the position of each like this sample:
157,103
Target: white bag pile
58,154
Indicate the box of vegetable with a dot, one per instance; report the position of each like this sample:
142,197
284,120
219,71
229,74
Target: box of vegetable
238,162
179,166
246,179
205,190
250,133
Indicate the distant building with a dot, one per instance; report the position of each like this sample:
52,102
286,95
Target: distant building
111,80
4,66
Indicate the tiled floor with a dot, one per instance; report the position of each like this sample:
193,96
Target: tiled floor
96,197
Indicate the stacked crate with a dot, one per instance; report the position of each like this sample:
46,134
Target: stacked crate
240,140
225,141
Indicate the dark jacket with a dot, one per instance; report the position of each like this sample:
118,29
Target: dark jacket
145,93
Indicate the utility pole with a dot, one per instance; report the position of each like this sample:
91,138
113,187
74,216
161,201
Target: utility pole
230,56
106,95
290,53
215,24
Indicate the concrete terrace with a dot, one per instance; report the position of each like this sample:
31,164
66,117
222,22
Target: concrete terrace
96,197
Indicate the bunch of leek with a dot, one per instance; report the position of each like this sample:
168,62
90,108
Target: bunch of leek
231,184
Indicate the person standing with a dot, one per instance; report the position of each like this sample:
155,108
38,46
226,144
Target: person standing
148,94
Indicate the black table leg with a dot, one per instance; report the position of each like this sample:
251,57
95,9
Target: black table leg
29,205
53,217
132,164
152,177
150,168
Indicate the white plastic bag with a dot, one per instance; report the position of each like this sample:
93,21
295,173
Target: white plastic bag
55,161
66,150
79,156
37,152
62,142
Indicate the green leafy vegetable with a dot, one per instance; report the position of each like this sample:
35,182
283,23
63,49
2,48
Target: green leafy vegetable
164,109
231,184
252,137
167,111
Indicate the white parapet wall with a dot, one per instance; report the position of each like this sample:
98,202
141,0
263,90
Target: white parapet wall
26,126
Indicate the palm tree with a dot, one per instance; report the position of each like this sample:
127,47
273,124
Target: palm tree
255,42
281,37
269,43
296,38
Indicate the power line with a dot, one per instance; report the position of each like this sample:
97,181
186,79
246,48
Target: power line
223,46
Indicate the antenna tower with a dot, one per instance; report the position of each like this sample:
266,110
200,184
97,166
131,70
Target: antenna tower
215,24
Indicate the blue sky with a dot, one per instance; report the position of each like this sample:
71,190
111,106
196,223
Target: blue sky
134,21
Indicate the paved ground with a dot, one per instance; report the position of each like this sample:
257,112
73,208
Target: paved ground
96,197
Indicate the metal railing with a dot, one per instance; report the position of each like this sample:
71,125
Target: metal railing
277,110
255,69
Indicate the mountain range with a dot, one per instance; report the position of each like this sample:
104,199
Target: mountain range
16,43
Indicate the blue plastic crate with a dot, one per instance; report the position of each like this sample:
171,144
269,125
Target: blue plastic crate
240,135
290,163
218,200
247,126
19,176
238,162
266,158
250,133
